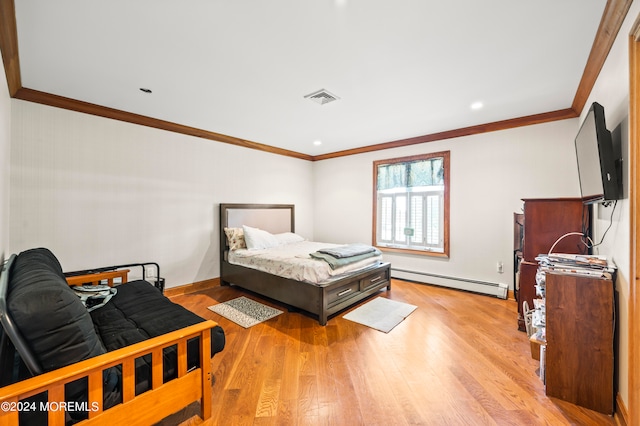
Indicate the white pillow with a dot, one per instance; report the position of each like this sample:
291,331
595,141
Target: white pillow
288,238
259,239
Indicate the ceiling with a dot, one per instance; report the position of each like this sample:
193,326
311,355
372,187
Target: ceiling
238,71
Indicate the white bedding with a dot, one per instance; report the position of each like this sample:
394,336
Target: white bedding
293,261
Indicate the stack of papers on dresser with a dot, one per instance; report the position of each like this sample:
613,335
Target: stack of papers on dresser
579,264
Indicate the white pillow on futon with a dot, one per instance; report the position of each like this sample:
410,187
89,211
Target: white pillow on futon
257,239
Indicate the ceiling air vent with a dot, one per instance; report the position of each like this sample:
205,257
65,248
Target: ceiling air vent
322,97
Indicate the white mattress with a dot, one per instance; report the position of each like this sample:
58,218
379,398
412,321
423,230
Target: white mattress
293,261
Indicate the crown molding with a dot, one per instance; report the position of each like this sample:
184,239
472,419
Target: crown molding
9,45
614,14
116,114
466,131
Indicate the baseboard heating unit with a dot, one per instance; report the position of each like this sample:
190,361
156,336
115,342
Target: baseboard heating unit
498,290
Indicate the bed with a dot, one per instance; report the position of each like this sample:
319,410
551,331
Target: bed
321,294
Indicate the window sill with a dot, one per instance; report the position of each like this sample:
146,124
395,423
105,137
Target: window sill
429,253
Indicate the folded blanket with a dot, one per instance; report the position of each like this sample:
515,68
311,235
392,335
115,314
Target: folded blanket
348,250
335,263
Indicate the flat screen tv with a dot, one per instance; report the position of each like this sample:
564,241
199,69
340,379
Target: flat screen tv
598,163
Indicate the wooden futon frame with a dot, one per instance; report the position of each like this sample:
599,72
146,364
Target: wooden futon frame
159,402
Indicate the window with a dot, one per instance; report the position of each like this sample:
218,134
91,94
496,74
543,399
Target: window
411,204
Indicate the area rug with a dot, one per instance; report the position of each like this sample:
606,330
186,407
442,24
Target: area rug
245,312
381,314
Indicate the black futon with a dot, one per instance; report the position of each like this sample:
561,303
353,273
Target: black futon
55,329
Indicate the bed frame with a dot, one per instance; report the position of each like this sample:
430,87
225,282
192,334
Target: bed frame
321,301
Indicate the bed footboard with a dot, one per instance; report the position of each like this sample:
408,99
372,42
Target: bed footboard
149,407
321,301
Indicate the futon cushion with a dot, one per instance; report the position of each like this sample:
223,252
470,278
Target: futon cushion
50,316
139,311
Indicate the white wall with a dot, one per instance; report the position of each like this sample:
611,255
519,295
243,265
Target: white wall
5,144
490,174
612,92
99,192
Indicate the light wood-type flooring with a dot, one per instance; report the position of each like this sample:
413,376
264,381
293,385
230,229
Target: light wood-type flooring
457,360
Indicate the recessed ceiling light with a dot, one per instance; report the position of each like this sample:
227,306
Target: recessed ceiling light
317,142
477,105
145,90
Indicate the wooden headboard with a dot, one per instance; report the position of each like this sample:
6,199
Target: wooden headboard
274,218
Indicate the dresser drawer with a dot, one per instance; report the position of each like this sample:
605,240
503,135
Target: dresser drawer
343,292
374,279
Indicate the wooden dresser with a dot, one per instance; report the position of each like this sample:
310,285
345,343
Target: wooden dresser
545,220
580,340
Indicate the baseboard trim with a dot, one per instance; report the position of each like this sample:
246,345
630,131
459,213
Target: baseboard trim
192,288
621,416
484,287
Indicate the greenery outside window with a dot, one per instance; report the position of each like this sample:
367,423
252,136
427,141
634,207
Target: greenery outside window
411,204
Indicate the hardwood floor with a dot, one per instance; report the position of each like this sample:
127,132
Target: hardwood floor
456,360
